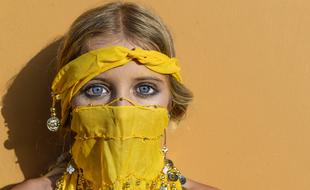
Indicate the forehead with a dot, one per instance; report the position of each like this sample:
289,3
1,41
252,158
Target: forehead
106,41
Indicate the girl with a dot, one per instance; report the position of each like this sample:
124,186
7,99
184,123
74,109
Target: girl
119,87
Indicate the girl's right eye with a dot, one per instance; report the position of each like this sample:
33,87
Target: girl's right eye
96,90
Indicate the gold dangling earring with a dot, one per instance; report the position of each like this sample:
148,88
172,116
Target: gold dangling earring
170,172
53,123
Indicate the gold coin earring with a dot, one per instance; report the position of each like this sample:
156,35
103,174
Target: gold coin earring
53,123
170,174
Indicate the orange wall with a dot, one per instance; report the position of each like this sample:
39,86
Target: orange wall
246,61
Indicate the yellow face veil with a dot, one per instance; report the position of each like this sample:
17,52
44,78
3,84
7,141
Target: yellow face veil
75,74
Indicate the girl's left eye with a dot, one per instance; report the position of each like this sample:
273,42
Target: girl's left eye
146,90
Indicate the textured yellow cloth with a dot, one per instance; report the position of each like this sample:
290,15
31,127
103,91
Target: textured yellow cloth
122,140
116,145
79,71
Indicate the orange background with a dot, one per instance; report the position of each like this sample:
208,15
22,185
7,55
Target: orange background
246,61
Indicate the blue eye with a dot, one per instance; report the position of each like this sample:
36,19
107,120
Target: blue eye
146,90
95,90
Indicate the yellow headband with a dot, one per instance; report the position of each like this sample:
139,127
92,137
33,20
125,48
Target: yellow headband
74,75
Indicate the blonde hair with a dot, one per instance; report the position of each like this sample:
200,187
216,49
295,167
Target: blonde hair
138,26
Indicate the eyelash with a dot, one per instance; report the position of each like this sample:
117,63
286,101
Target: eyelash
89,87
153,87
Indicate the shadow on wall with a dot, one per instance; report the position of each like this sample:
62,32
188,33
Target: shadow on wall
26,109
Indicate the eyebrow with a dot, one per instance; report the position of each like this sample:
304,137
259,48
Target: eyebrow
149,78
136,79
100,78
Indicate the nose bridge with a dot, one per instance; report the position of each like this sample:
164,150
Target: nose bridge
122,98
121,101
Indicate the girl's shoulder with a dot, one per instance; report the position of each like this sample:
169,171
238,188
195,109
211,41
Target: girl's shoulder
46,182
41,183
194,185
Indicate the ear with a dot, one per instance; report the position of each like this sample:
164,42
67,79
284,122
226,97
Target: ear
172,125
